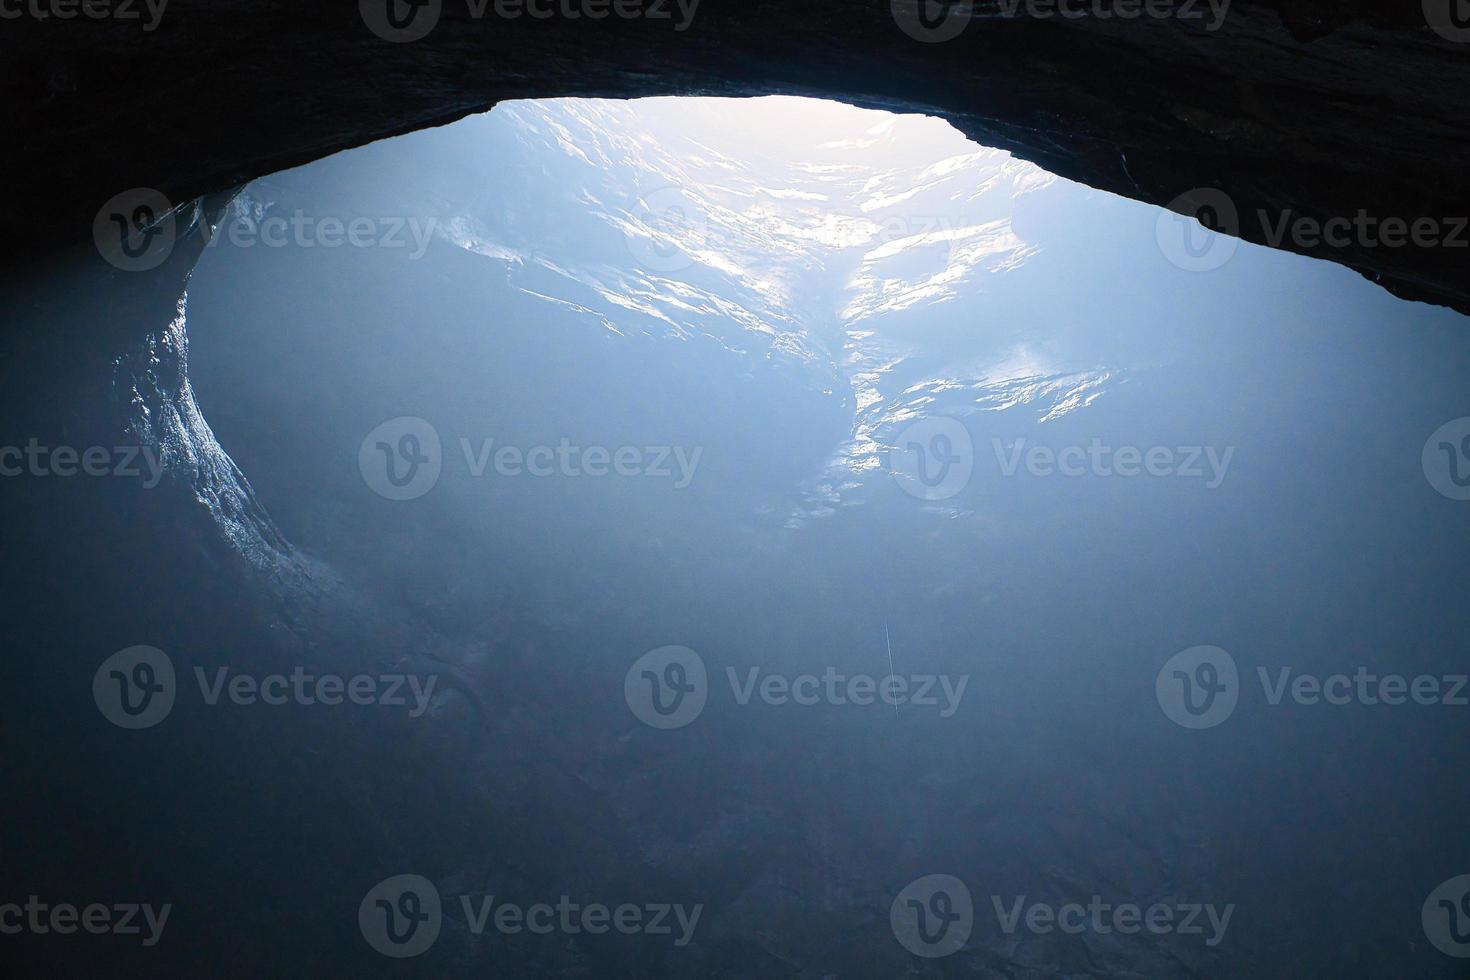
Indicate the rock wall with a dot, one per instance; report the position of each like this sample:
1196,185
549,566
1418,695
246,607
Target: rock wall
1294,109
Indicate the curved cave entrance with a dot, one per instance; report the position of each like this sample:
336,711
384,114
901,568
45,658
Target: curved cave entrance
918,463
580,327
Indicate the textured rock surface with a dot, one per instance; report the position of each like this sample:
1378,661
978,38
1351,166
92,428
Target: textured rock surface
1320,108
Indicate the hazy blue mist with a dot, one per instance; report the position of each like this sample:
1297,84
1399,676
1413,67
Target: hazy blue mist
780,293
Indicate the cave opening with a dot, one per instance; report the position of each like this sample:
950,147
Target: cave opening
704,465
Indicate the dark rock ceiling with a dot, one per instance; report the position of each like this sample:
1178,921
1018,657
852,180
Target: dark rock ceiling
1316,109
